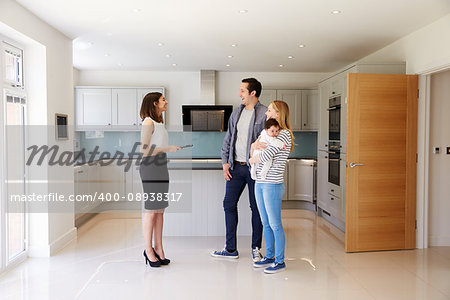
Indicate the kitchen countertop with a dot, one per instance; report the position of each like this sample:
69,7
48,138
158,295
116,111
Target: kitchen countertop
189,163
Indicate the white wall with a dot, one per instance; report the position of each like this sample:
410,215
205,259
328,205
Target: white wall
423,50
439,188
48,63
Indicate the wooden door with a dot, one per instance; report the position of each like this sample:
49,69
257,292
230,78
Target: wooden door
382,136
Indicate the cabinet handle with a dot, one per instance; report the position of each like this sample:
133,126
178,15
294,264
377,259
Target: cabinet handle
326,145
332,198
304,124
326,156
134,124
80,172
332,190
109,124
333,93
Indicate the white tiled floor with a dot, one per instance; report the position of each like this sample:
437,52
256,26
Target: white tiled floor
106,263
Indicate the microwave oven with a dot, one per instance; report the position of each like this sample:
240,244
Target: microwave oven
206,117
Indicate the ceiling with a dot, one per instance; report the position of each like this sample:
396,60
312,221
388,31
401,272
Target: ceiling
181,35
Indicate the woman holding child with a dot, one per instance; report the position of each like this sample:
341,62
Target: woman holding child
269,187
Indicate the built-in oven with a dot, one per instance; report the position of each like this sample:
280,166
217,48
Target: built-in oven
334,118
334,158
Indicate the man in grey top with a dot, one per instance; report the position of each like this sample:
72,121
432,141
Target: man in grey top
244,126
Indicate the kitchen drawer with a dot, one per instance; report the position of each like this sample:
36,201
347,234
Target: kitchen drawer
335,190
334,205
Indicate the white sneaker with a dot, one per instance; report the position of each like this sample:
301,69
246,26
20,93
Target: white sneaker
256,254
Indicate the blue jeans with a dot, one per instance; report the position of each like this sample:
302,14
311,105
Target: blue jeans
268,198
234,188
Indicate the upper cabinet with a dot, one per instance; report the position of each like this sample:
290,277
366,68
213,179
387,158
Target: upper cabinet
109,108
93,108
303,106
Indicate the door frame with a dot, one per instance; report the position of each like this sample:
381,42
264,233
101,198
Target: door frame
423,152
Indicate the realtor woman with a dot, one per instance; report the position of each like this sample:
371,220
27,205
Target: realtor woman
154,176
270,190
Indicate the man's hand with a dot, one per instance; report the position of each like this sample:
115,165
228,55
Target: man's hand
226,172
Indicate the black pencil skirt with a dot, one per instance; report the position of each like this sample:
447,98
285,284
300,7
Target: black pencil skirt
155,181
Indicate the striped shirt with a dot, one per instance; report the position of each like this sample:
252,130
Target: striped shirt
279,157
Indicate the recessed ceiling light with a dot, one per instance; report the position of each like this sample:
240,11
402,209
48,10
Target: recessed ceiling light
233,45
290,57
136,10
227,65
119,64
174,65
281,66
335,12
301,46
160,44
107,54
243,11
168,55
230,56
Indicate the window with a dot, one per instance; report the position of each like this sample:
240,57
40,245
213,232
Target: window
13,66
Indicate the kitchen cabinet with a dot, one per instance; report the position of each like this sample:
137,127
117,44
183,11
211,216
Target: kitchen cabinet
110,108
86,187
322,180
310,110
124,110
303,106
301,180
93,108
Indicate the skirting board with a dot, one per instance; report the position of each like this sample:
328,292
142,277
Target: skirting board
51,249
440,240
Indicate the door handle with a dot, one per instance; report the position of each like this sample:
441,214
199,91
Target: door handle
352,165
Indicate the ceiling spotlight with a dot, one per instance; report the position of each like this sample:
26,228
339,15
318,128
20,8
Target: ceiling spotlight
227,65
335,12
136,10
301,46
243,11
119,64
107,55
290,57
168,55
230,56
281,66
174,65
233,45
160,44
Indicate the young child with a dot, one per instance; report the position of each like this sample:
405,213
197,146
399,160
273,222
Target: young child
268,136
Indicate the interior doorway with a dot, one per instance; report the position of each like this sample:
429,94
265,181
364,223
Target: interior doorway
439,160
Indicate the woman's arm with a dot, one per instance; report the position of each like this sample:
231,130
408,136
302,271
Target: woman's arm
146,137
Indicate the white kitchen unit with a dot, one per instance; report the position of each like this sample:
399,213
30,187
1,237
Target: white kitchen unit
86,184
301,180
332,150
110,108
303,106
93,108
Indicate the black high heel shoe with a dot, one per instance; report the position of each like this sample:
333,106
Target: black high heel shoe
153,264
164,262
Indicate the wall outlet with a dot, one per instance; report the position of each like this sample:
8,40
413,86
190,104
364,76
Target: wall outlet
448,150
436,150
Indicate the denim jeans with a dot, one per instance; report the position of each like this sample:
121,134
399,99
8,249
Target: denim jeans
234,188
268,198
